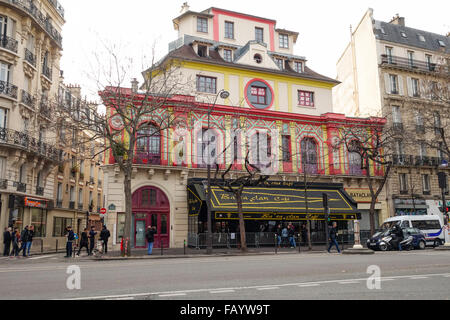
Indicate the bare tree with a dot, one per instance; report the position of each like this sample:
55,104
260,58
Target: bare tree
375,148
131,115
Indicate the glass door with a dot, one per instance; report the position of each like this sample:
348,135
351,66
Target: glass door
140,234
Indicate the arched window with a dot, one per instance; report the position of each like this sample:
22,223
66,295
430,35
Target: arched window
309,156
207,144
354,158
148,145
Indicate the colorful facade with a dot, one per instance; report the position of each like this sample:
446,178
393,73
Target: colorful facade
271,90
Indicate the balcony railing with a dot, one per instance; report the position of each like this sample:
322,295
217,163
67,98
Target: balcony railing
42,19
147,158
30,57
80,206
3,184
44,109
407,63
58,7
72,205
398,126
9,43
21,187
8,89
28,99
46,71
39,191
59,203
418,161
32,145
420,129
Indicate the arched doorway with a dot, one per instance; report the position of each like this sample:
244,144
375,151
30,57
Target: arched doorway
151,208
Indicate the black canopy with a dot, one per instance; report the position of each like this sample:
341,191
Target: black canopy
273,201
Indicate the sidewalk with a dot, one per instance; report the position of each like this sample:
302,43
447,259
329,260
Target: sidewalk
174,253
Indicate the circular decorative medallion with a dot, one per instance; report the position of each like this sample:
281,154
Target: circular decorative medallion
116,122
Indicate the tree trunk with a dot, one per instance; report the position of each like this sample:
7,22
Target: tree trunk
128,213
372,216
241,221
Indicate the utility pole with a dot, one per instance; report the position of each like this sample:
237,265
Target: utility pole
327,216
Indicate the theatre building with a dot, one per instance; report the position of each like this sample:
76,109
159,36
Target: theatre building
270,89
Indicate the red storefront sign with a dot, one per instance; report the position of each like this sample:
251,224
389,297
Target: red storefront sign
35,203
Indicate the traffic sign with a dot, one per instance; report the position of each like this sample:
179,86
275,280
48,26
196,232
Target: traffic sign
103,211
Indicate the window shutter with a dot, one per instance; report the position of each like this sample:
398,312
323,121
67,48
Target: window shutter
410,88
387,83
400,85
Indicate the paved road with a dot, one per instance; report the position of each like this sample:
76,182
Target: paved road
407,275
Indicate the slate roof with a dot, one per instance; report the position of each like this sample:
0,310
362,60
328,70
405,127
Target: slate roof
393,34
187,53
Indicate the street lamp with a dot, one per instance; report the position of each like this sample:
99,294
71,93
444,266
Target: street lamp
224,95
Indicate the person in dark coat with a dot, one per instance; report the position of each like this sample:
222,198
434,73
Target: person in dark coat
7,237
70,240
150,236
304,232
84,241
333,237
24,240
279,232
30,239
291,233
92,235
104,236
15,241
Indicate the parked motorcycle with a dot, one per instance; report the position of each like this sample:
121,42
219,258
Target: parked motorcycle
387,241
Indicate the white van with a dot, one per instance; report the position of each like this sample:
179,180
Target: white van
430,225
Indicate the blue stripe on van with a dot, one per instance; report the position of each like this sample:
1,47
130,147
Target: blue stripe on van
435,234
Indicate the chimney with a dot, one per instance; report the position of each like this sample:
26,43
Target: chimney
134,85
184,8
400,21
448,35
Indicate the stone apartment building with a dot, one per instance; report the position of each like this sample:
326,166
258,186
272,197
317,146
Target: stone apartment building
269,88
35,185
392,70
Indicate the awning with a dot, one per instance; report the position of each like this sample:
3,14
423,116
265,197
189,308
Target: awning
276,201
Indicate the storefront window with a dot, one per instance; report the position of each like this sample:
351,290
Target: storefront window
18,219
60,225
39,221
120,226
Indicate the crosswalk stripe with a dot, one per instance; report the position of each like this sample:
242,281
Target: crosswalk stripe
172,295
269,288
222,291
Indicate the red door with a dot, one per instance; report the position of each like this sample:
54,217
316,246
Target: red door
154,210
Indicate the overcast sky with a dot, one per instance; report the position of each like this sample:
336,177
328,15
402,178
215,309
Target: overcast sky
135,25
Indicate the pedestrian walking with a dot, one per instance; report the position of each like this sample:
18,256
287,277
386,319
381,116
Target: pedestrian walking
104,236
84,242
279,232
70,240
304,232
333,238
7,237
30,239
24,241
150,236
92,235
284,237
15,242
291,233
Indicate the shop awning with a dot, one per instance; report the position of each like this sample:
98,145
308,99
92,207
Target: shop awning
276,201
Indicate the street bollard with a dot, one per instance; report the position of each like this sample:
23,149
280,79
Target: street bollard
299,244
184,247
56,246
162,245
42,246
276,244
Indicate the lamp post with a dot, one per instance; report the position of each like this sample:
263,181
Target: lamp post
224,95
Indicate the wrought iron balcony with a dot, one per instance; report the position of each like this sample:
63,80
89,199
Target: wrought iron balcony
418,161
420,129
3,184
406,63
46,71
72,205
397,126
39,191
80,206
59,8
30,57
28,99
147,158
24,141
8,89
59,203
9,43
21,187
44,109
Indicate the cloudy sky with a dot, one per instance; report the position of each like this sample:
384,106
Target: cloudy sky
134,27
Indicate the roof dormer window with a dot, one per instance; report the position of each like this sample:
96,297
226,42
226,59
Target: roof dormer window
227,55
280,63
403,34
298,66
258,58
441,43
421,38
202,51
284,41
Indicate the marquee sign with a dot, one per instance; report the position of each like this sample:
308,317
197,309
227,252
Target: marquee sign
34,203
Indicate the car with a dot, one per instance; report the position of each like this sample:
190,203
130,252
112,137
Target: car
419,239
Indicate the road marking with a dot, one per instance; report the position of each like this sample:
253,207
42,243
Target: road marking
447,276
387,279
268,288
42,257
308,285
348,282
222,291
417,278
265,287
172,295
126,298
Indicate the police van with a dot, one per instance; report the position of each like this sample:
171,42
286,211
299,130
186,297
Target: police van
431,225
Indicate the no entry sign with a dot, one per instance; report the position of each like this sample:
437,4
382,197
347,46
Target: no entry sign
103,210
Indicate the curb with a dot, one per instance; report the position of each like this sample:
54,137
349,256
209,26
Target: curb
358,251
